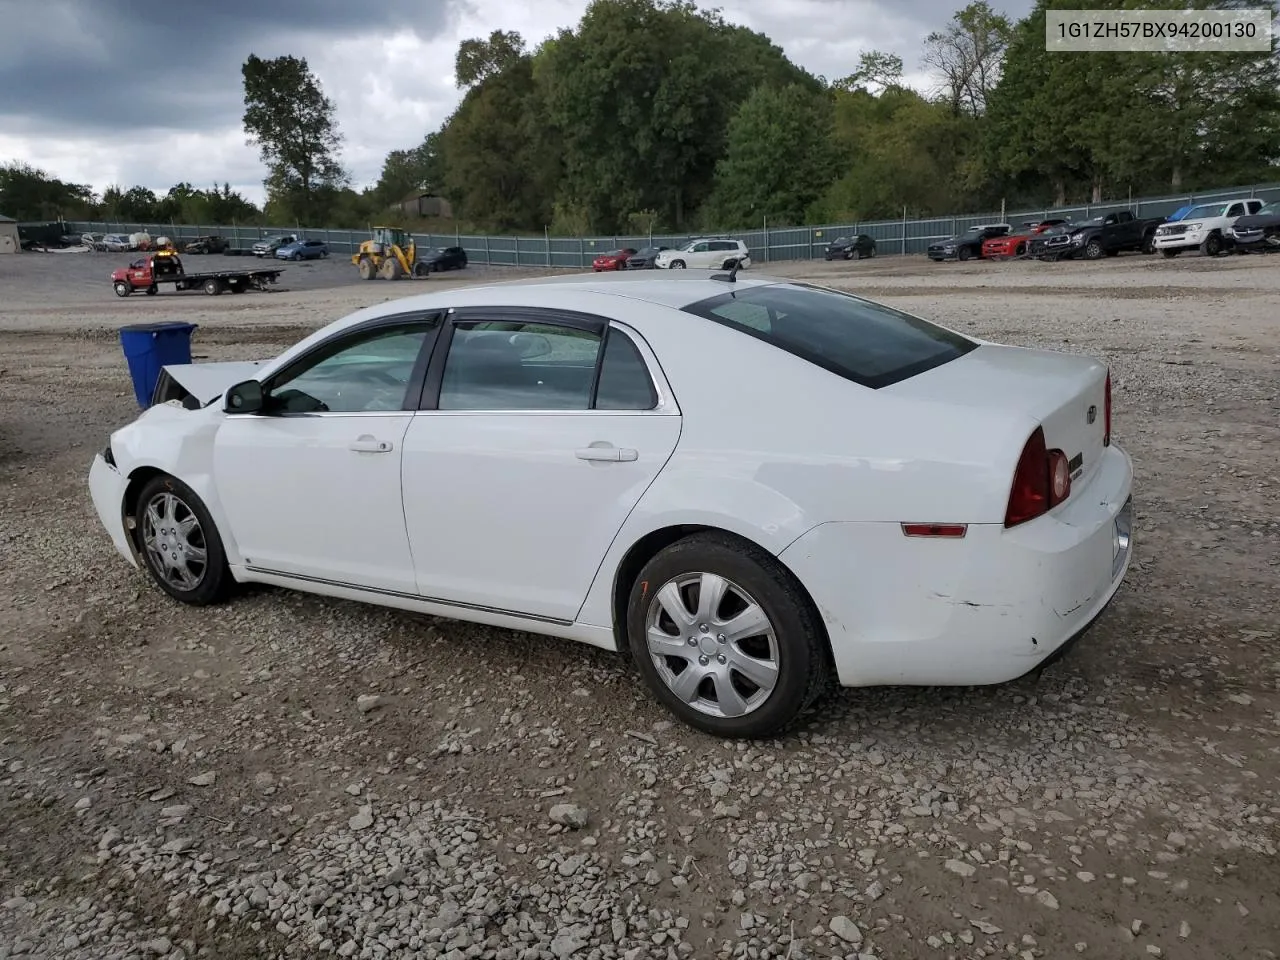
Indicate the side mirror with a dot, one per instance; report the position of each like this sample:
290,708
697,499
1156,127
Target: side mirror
246,397
531,345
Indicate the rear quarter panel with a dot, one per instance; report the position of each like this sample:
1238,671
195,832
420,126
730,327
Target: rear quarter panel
771,446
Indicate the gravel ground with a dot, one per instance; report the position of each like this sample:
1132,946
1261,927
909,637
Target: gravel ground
292,776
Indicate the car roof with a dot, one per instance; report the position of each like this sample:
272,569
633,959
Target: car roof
574,291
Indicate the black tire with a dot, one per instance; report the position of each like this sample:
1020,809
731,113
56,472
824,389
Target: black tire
152,290
803,659
1094,250
1020,250
677,264
1212,245
962,253
122,288
848,254
421,270
1149,243
214,583
1170,254
212,287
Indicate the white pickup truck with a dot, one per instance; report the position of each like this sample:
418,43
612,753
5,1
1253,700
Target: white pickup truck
1206,227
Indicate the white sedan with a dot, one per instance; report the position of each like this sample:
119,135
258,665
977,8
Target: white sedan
753,487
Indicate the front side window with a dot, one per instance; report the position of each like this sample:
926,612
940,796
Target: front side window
865,342
367,372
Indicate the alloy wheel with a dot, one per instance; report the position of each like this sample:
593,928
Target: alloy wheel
174,542
712,644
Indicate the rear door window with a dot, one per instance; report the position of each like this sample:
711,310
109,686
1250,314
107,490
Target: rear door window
868,343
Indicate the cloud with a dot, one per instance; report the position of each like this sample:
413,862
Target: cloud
135,91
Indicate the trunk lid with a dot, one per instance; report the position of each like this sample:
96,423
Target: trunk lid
1064,393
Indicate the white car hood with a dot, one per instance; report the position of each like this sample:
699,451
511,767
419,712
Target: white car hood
208,381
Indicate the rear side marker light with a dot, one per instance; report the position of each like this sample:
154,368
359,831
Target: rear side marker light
935,529
1106,434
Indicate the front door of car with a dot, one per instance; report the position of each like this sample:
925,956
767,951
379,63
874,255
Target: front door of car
140,272
311,485
700,255
539,434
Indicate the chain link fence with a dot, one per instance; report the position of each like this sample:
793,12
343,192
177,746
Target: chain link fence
902,236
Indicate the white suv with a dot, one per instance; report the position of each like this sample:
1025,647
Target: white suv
706,253
1205,226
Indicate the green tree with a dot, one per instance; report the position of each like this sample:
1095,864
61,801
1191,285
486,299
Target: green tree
496,160
417,168
28,193
478,60
968,54
641,94
874,67
779,159
292,121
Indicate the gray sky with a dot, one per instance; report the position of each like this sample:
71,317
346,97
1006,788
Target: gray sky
147,92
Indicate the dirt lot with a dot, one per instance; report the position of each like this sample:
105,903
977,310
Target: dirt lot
179,783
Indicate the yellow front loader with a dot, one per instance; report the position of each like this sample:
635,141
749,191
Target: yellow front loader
391,254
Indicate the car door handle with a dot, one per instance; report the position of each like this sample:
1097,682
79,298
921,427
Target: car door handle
606,453
367,444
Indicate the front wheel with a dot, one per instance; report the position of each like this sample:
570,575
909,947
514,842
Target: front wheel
677,264
421,270
122,289
1093,250
725,638
179,544
963,254
212,287
1170,254
1212,245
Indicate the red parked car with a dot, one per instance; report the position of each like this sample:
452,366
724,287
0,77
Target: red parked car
1016,244
613,260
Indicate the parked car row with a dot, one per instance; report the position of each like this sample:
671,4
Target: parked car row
700,253
1240,225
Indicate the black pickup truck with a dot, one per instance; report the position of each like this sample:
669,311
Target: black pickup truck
1097,238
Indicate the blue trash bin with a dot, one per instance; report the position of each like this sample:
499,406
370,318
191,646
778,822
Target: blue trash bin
150,346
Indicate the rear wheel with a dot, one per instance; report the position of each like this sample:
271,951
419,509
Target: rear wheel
725,638
391,269
152,290
122,289
179,543
1170,254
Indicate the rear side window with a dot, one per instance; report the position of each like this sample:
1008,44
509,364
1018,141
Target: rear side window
870,344
624,382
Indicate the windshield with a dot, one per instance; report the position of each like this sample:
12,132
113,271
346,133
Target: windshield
1206,210
868,343
839,241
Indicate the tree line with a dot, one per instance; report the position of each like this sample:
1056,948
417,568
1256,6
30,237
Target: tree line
653,115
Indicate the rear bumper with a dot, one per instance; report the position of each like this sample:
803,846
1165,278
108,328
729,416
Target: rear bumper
984,609
107,486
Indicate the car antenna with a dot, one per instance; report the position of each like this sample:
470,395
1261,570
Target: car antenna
731,276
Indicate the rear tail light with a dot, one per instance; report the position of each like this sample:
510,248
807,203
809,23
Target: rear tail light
1106,434
1041,481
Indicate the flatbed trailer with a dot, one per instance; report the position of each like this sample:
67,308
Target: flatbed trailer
164,266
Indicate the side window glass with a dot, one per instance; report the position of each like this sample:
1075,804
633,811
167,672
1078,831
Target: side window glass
367,373
625,383
1237,210
514,365
700,248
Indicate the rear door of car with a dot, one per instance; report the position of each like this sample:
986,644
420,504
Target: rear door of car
539,432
